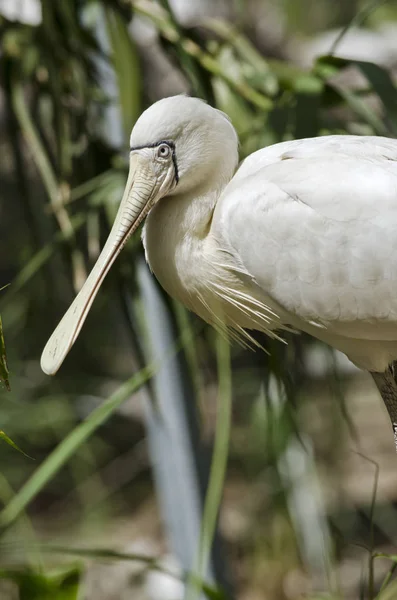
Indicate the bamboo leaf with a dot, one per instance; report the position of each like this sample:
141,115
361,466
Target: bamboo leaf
33,140
126,66
389,593
151,10
309,91
380,82
188,63
217,472
109,554
40,259
63,452
37,586
3,360
383,85
361,108
55,191
358,18
8,440
103,554
260,75
213,594
387,578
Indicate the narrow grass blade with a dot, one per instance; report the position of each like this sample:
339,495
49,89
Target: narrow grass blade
189,65
126,65
187,335
362,109
3,360
358,18
8,440
383,85
106,554
387,579
309,91
27,535
32,138
55,461
390,593
378,79
218,469
56,192
262,76
151,10
40,259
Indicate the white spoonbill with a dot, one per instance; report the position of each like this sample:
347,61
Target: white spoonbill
302,235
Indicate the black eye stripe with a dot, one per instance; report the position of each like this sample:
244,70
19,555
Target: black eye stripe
172,147
175,163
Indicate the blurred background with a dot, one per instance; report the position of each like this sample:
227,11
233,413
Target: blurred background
99,503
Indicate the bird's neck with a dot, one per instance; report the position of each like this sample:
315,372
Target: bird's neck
174,237
187,215
195,213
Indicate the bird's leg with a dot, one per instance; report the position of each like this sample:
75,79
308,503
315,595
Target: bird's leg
387,385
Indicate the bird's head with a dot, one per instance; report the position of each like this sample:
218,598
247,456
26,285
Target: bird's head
185,142
177,145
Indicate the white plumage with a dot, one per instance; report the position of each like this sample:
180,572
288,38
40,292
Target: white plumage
314,224
303,235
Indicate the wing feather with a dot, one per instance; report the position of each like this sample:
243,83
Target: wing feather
314,222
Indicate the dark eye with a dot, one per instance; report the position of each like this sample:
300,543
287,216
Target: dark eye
163,151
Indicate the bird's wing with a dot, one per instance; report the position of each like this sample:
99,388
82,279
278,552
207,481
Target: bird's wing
314,222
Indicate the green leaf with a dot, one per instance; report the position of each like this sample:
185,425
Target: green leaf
259,73
126,65
217,473
213,594
8,440
389,593
36,586
392,557
62,453
383,85
380,82
361,108
388,576
3,360
279,122
103,554
40,259
359,17
226,99
308,90
378,78
109,554
204,58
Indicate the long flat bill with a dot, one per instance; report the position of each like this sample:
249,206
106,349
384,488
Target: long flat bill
133,208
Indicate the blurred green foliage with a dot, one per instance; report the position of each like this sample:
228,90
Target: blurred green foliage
63,178
37,586
4,373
